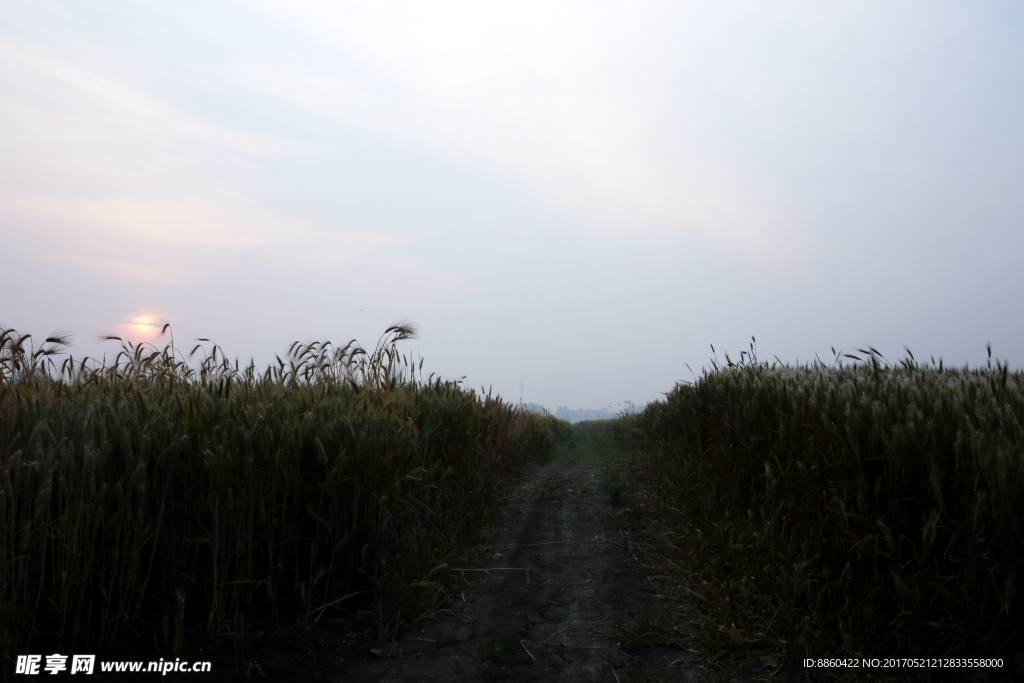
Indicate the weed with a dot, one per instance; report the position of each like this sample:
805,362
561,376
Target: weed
615,484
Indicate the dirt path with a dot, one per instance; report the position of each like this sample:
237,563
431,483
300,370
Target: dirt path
559,595
571,617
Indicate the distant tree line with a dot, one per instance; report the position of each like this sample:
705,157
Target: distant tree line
582,414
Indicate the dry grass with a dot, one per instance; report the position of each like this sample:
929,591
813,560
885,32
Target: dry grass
335,481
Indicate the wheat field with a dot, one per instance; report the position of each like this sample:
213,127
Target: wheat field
166,487
864,507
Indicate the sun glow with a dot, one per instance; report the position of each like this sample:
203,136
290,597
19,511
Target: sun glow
141,328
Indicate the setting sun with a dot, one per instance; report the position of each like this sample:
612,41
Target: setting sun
141,328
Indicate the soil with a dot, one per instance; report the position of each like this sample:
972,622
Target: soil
569,618
558,593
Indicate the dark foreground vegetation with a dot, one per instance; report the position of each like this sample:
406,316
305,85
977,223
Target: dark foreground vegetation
868,510
149,495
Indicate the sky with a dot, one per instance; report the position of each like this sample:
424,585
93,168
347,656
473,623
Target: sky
573,201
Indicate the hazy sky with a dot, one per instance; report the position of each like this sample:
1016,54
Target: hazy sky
579,195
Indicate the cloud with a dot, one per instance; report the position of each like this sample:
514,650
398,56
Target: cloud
624,116
115,180
179,239
533,93
102,101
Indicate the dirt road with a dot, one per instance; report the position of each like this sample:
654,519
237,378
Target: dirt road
559,594
563,598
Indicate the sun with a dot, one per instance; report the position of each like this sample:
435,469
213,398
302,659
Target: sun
142,328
